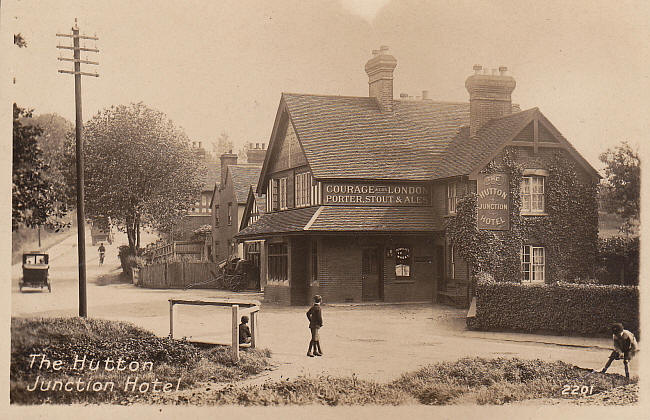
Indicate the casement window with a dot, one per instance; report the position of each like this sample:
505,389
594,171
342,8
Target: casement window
278,262
314,261
283,193
229,214
403,262
275,194
303,189
533,263
452,197
532,194
255,212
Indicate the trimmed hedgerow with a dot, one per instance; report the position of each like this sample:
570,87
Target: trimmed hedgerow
563,308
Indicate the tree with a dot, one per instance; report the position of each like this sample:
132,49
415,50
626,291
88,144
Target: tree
55,129
222,145
37,200
140,170
621,191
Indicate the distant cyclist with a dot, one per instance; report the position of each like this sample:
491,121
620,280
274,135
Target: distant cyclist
102,252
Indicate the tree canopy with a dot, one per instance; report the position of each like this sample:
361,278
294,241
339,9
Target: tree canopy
621,191
140,169
37,198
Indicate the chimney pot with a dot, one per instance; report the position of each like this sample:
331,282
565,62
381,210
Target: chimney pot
489,97
503,70
380,78
425,94
477,68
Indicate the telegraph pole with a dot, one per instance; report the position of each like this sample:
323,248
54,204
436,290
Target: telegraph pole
81,217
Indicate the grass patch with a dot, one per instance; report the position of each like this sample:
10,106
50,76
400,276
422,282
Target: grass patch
468,380
146,358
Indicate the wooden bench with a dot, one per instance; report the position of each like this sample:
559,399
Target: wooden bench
251,306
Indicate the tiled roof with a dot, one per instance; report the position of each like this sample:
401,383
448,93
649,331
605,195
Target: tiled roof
378,219
464,154
242,177
346,219
279,222
349,137
213,175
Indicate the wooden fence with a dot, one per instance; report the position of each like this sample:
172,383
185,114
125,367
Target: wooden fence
167,251
178,275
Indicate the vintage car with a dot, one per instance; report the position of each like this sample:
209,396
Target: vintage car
36,266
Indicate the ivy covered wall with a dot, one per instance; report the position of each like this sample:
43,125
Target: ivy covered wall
568,230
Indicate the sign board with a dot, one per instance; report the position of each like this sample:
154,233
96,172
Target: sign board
493,204
376,194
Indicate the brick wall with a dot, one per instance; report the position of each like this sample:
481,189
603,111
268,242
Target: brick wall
277,294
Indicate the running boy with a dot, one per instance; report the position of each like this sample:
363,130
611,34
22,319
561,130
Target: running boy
315,318
625,347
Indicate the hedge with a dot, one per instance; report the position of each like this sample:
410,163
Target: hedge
560,308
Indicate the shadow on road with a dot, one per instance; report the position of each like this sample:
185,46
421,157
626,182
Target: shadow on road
112,278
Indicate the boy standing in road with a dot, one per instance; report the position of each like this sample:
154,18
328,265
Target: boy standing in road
625,347
315,318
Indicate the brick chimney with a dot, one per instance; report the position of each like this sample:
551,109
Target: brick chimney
255,153
380,77
489,96
227,159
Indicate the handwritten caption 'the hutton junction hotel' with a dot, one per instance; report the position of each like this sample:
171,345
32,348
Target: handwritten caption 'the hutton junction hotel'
84,365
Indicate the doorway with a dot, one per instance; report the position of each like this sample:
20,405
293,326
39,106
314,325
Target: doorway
372,281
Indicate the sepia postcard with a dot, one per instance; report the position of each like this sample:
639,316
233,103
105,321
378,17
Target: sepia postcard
346,208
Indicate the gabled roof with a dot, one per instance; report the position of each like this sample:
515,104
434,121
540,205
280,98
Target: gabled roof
466,155
243,176
261,206
349,137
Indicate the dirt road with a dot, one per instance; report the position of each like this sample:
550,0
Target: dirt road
378,342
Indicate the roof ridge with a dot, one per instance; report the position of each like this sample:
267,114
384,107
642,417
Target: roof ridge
327,95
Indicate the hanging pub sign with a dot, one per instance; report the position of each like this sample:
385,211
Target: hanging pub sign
376,194
493,204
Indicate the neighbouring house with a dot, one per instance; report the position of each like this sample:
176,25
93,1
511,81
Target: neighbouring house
377,199
228,201
200,216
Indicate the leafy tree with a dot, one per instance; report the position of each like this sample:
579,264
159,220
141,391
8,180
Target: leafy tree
140,170
222,145
621,191
55,129
37,200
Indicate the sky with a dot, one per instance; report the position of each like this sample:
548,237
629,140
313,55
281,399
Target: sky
221,66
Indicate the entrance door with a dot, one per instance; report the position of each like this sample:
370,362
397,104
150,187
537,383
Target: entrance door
372,285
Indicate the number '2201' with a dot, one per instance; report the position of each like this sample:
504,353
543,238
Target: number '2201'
577,390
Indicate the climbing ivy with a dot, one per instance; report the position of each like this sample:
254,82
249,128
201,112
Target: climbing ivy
568,231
